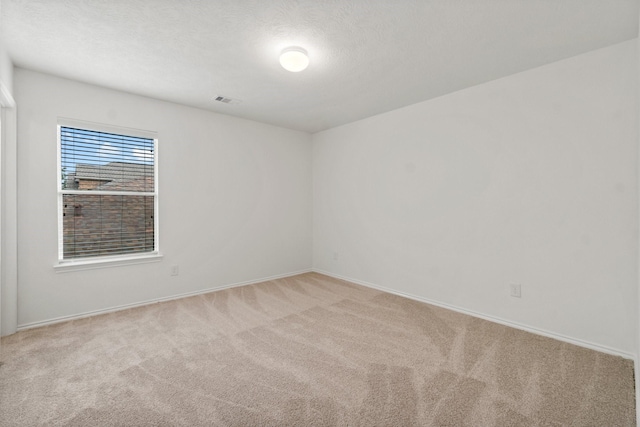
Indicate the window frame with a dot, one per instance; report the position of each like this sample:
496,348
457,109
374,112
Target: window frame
84,263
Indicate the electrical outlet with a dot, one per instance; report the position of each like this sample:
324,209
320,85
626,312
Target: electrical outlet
516,290
175,270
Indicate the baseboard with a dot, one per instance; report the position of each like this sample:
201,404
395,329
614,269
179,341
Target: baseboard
516,325
560,337
153,301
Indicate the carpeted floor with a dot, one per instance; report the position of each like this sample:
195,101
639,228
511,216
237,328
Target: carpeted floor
304,351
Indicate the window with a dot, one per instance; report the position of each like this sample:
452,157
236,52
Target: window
107,194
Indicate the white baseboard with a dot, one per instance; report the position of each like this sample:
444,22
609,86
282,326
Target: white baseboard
537,331
560,337
153,301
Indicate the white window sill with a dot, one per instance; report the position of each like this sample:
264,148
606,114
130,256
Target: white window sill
95,263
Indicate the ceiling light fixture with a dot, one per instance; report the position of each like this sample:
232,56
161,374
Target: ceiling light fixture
294,59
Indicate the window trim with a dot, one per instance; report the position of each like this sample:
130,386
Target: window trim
86,263
107,261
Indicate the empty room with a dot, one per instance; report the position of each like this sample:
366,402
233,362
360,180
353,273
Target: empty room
319,213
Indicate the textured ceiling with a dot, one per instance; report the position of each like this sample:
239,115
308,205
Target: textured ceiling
367,56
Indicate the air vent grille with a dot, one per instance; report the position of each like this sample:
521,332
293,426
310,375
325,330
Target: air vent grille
226,100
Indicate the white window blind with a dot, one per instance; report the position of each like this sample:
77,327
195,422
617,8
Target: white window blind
107,194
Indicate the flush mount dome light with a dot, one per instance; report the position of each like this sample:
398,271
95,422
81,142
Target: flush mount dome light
294,59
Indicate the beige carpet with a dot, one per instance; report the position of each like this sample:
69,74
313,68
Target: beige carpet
304,351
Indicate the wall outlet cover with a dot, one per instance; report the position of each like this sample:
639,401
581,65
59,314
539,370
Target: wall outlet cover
515,290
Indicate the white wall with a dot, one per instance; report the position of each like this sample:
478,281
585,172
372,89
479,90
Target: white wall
637,358
6,69
8,270
529,179
235,199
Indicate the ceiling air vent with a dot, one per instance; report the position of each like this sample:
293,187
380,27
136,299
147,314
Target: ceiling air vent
226,100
